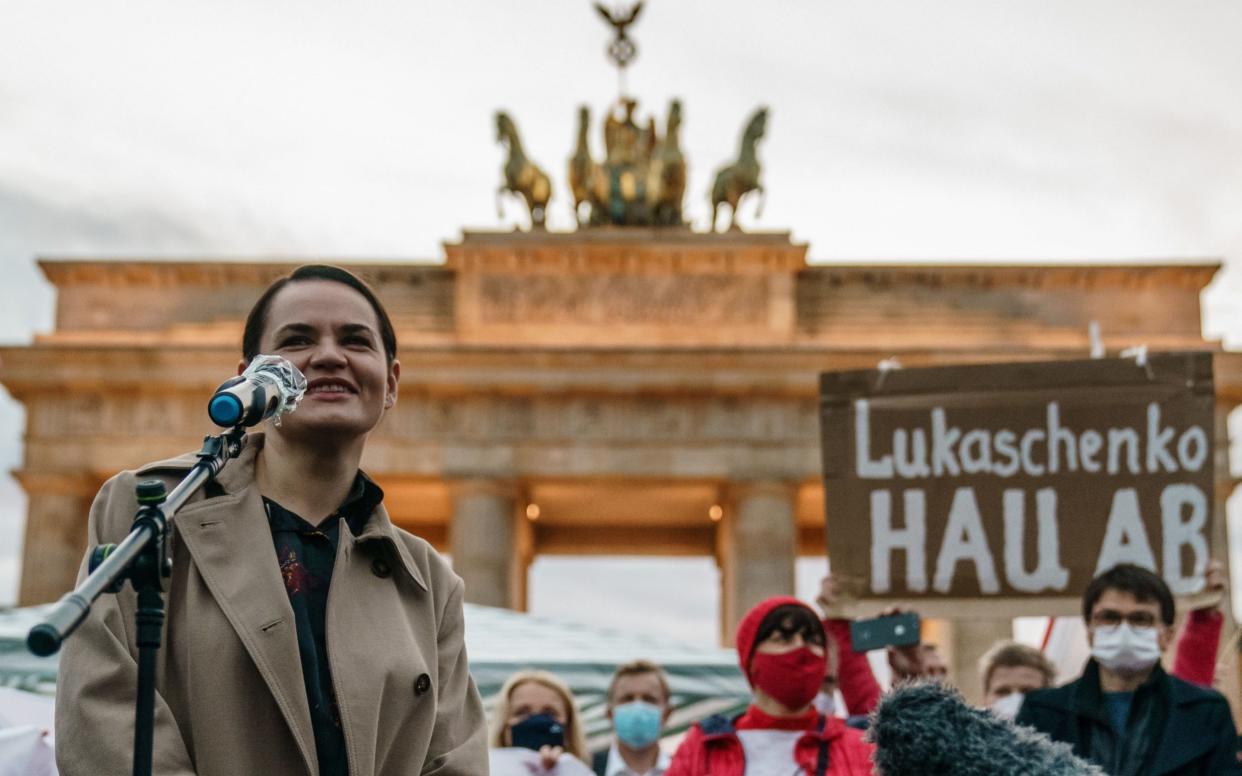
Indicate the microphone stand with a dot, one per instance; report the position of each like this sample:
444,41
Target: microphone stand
142,560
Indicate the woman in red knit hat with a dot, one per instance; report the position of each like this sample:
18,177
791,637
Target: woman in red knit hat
782,648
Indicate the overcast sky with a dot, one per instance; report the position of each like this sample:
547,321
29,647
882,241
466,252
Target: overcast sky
1103,130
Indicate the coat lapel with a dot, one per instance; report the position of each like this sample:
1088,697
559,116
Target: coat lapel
1180,743
379,528
229,538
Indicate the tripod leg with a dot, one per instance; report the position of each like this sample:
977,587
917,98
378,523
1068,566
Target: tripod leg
150,617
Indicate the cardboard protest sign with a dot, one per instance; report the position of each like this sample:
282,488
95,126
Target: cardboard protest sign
1017,482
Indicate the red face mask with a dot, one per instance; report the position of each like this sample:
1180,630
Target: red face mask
792,678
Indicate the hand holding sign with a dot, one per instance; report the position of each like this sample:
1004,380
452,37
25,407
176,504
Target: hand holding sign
838,592
1213,593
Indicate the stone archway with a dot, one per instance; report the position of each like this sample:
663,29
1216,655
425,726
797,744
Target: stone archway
564,368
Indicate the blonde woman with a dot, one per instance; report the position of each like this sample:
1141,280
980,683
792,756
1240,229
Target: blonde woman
537,711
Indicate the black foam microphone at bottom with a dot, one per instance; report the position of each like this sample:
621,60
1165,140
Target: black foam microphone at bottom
926,729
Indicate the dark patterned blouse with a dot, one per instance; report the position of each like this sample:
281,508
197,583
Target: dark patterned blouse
306,554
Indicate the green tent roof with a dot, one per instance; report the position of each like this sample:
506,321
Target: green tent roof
703,680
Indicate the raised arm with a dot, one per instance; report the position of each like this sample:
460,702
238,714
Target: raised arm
1199,641
854,676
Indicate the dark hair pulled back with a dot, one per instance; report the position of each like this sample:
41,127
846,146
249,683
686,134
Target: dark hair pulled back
256,321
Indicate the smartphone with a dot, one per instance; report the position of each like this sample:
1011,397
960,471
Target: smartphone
896,630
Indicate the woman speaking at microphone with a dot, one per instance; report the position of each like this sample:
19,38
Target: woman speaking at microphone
306,634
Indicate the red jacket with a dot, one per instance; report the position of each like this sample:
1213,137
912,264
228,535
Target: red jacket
1195,659
855,678
712,748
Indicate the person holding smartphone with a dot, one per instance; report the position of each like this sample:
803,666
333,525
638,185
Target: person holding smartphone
854,677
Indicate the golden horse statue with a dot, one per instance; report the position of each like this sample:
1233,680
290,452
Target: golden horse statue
742,177
586,177
522,176
667,176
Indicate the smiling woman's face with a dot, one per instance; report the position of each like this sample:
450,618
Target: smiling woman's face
330,332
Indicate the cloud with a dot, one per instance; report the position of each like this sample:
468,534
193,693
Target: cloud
95,226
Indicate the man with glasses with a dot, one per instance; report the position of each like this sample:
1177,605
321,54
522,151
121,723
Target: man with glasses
1125,713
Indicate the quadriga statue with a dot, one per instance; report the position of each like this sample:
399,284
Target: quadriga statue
642,178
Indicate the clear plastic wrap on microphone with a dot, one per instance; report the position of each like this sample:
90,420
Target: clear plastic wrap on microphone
268,388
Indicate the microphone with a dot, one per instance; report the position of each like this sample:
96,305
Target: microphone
268,388
926,729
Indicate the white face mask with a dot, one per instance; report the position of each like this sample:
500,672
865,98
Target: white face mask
825,704
1124,649
1007,706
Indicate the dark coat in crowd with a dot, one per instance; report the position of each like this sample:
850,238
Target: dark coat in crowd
1174,728
926,729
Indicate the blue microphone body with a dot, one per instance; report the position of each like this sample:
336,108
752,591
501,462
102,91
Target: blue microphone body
242,401
269,387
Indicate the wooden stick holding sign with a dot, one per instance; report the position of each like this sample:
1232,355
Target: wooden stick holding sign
1009,486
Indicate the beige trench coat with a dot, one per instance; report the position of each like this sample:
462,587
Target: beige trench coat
231,700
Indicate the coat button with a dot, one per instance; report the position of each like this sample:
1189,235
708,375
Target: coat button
422,684
380,568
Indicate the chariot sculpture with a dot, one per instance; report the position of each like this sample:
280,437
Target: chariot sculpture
641,178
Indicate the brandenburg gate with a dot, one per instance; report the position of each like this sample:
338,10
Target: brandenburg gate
609,391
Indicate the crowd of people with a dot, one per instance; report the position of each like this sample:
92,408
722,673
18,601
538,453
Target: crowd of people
263,675
1124,714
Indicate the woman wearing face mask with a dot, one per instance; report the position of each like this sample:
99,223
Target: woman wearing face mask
781,649
305,633
536,712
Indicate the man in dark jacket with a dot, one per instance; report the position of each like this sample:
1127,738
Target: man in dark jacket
1125,713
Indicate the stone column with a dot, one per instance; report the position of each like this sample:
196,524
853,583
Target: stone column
57,511
482,540
756,546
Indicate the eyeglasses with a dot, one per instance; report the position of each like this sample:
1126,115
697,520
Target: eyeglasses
1109,618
